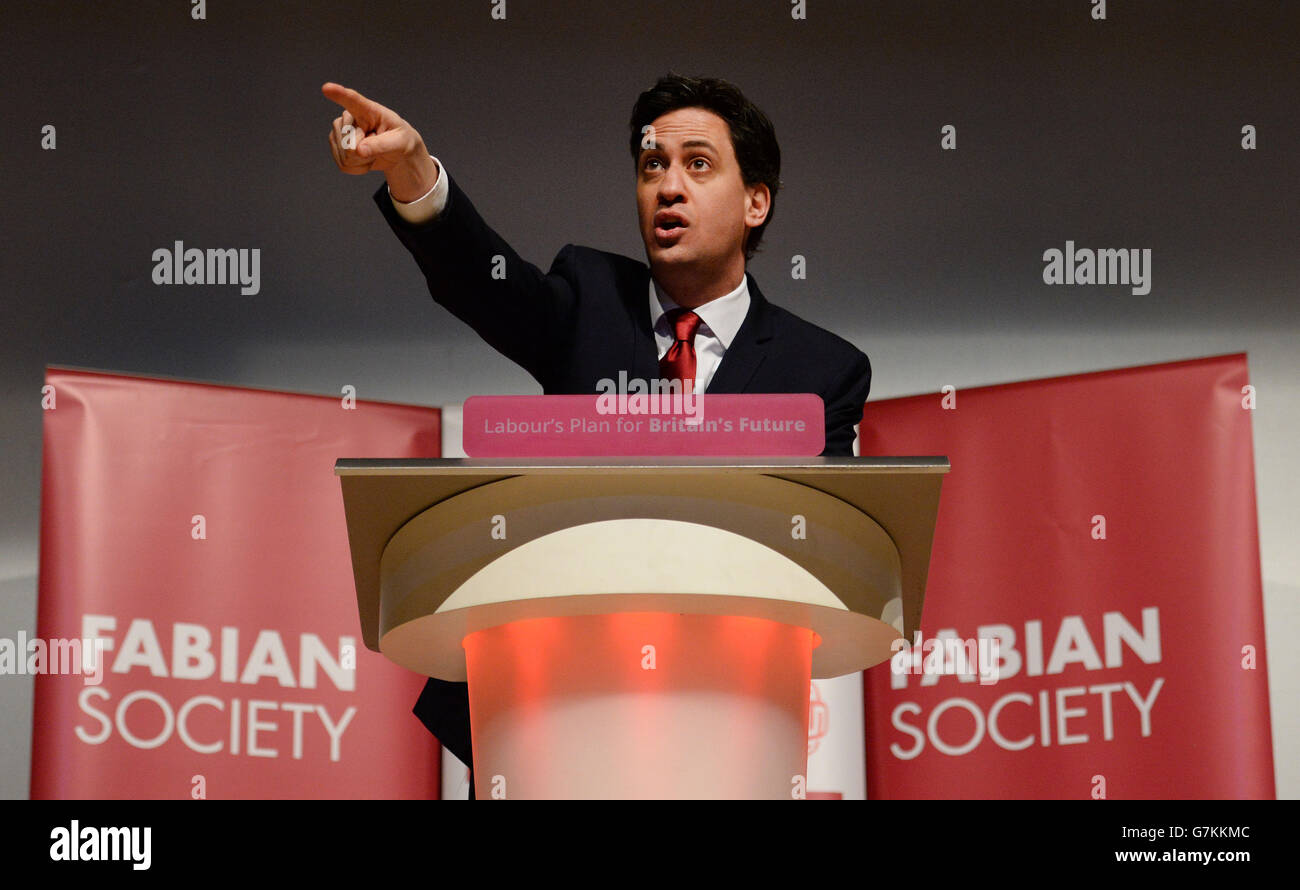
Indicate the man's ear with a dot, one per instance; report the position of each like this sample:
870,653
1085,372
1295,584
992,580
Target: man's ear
758,200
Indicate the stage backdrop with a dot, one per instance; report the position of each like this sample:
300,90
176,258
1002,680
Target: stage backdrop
199,531
1102,528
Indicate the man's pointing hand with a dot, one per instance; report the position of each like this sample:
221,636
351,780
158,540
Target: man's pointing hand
367,136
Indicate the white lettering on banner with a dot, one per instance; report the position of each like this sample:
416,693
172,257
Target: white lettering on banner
1053,710
1072,645
1066,715
192,657
146,719
175,722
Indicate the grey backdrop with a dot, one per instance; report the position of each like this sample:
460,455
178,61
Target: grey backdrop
1117,133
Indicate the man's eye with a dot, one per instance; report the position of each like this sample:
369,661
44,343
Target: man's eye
700,161
650,161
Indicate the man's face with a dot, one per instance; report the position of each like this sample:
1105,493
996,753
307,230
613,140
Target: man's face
694,208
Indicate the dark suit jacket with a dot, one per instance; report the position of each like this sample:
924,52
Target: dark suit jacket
587,319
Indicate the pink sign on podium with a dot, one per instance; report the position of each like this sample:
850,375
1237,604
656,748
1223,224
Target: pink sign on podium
703,425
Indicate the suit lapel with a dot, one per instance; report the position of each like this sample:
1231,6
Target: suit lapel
748,348
644,351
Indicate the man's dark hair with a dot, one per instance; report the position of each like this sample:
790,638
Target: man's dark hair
752,136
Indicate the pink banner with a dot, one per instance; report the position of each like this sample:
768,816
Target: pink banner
1093,624
196,533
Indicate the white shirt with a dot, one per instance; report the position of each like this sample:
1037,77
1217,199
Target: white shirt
720,319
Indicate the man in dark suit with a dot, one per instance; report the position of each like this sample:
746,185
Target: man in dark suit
707,174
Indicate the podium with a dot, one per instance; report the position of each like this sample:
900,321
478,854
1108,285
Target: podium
639,627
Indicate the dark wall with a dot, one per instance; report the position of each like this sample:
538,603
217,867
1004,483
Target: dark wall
1117,133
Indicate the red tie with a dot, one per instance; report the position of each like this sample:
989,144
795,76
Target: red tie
678,362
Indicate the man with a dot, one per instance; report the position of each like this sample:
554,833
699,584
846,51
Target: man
707,174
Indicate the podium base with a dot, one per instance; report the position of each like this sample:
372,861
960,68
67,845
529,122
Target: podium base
640,705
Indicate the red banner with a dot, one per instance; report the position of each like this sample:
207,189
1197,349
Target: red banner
197,531
1097,550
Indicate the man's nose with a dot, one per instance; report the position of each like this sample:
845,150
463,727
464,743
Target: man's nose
672,186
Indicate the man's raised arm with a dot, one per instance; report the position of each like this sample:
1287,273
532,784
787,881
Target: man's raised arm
521,312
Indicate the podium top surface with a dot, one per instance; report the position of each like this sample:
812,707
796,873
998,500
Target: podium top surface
458,465
381,495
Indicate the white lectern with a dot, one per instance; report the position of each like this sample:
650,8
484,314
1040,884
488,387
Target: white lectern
639,627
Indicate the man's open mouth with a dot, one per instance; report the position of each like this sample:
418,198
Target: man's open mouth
668,228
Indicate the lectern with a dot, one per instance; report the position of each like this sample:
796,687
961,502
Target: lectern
639,627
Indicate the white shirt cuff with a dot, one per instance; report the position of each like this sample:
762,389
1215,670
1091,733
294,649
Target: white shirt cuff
427,206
